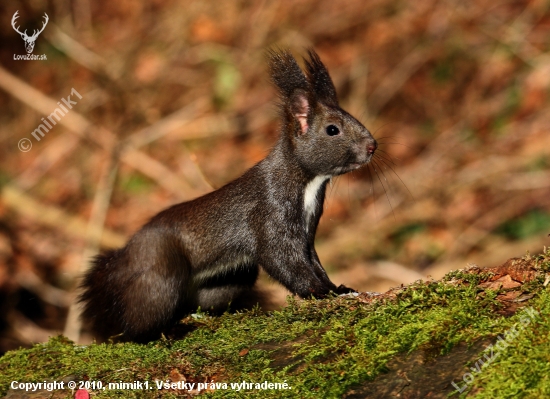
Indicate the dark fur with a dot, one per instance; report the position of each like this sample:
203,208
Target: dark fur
206,252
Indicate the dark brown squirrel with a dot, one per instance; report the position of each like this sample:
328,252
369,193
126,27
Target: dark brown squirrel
206,252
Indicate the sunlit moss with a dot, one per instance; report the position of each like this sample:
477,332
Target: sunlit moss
320,348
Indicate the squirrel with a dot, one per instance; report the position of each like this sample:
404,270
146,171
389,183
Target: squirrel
207,252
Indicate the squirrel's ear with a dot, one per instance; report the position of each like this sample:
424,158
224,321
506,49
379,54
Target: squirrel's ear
293,86
299,107
320,80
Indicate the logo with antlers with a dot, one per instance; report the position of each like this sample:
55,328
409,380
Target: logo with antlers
29,40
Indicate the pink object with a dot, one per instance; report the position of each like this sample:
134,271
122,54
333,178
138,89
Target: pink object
82,394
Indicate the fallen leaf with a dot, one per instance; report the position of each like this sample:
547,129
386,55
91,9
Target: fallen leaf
509,296
504,282
243,352
175,376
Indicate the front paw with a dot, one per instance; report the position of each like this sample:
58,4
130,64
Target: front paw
319,292
342,289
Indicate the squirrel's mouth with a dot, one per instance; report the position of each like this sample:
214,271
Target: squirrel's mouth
359,163
351,166
348,168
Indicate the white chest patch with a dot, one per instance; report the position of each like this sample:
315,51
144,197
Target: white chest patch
310,197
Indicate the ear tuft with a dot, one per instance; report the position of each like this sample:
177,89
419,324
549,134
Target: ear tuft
320,80
286,74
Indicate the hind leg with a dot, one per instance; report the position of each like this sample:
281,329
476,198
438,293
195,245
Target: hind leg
156,311
234,288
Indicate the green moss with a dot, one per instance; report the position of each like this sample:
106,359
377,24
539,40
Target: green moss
520,370
323,348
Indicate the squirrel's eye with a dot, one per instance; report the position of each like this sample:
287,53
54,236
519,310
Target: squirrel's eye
332,130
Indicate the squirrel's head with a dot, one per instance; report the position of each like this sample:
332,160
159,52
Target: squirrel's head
324,138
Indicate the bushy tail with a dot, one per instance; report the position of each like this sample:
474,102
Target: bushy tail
99,295
137,291
142,290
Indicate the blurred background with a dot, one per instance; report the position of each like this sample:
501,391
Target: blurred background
174,100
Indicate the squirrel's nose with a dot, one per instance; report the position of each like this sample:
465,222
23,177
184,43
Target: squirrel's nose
372,147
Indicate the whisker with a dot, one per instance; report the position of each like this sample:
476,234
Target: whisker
402,182
386,157
389,137
387,153
394,142
377,129
349,196
384,176
372,190
385,191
